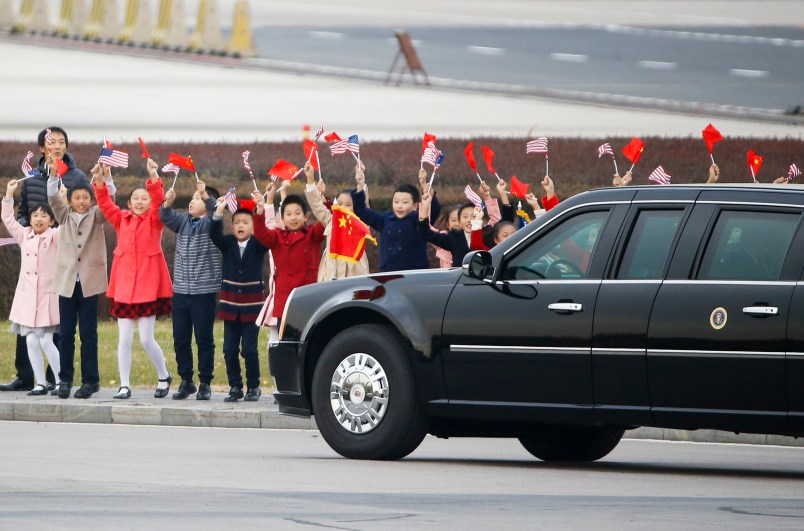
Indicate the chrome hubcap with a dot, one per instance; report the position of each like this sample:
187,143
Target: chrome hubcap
359,393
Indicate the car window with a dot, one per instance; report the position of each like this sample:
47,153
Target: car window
649,244
748,246
563,253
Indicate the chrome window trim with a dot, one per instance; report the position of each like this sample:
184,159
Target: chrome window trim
750,203
551,281
618,351
632,281
662,202
734,282
517,349
795,355
715,353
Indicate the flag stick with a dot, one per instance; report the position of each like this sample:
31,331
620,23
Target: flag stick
546,166
498,177
196,176
712,157
632,167
254,182
357,158
432,177
479,178
616,171
318,163
174,180
28,177
753,176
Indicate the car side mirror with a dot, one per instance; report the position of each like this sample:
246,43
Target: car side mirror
477,264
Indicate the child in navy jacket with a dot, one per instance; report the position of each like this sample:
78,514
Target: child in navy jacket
401,245
242,296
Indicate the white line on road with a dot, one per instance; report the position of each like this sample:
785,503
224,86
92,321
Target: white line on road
326,35
701,36
658,65
486,50
748,73
569,57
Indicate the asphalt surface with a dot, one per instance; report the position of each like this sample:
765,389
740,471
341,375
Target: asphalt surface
125,477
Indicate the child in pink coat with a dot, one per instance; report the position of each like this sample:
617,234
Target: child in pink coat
35,310
139,284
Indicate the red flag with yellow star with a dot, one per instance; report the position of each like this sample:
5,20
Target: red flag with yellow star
349,235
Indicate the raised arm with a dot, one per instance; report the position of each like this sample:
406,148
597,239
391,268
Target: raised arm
169,218
16,230
432,236
111,211
216,227
60,209
492,206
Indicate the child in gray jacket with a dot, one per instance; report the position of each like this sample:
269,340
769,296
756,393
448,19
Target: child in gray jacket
196,283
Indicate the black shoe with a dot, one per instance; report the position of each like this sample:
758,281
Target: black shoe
86,390
123,393
235,394
51,386
186,388
38,390
253,394
204,392
64,389
162,393
16,385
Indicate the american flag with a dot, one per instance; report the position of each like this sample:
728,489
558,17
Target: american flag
342,146
793,172
114,158
537,146
171,168
7,241
605,149
659,176
48,138
472,196
231,200
431,154
273,177
26,164
318,133
246,165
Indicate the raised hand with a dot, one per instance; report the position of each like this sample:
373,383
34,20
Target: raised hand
423,178
321,187
309,172
170,196
617,180
107,172
220,206
714,174
477,214
549,188
152,167
532,201
627,178
97,173
270,192
502,188
11,187
259,201
484,192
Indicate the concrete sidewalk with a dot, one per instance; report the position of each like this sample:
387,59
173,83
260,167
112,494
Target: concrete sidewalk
143,409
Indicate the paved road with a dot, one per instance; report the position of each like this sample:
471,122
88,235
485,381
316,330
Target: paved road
178,478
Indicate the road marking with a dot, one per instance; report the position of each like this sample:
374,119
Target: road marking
748,73
569,57
486,50
326,35
658,65
701,36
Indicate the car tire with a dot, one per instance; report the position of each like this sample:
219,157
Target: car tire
364,395
572,443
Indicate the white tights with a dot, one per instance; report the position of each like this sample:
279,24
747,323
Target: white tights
35,347
149,344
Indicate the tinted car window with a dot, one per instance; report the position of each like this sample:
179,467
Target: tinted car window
649,244
748,246
564,252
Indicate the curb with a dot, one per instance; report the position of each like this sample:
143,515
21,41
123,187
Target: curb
264,414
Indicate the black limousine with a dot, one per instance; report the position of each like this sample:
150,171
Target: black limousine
668,306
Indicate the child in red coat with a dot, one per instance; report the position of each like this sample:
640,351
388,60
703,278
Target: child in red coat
296,249
139,284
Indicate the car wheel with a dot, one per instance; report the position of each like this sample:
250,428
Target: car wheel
572,443
364,395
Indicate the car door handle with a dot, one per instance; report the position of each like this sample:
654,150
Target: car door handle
761,310
565,307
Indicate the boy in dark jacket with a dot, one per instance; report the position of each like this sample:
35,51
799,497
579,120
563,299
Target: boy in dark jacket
242,297
401,245
196,283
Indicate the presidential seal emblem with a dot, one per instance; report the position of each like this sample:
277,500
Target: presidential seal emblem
718,318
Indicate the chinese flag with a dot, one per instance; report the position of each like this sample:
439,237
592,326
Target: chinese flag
488,154
349,235
754,161
332,137
182,162
284,170
107,144
470,156
710,136
427,139
61,168
518,188
310,152
634,150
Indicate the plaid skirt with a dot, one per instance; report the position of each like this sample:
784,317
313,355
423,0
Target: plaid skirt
158,307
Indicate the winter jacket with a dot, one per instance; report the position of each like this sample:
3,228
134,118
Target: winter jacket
139,271
455,241
82,247
36,303
331,268
242,287
34,190
296,257
197,264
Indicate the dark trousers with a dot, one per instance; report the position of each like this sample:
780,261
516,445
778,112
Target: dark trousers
194,313
23,363
233,333
81,311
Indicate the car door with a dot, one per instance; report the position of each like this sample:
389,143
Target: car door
623,307
716,339
794,358
517,346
